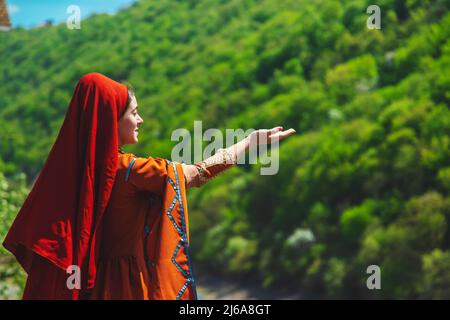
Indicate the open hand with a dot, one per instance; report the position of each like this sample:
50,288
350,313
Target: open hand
268,136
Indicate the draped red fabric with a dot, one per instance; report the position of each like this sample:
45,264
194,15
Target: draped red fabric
59,220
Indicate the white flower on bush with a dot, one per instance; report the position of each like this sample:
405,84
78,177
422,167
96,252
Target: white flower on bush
300,238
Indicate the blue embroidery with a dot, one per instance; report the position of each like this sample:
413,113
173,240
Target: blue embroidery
176,263
184,237
129,169
182,232
184,289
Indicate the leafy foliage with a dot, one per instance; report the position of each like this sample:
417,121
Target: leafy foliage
365,181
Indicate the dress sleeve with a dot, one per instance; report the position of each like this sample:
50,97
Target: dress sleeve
200,173
148,174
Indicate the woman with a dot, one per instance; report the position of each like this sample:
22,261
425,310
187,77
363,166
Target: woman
100,223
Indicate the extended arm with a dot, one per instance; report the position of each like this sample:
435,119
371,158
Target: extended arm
199,173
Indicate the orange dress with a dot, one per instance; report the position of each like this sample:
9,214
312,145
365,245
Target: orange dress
137,258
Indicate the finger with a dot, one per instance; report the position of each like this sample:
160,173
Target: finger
276,129
281,135
287,133
275,137
290,131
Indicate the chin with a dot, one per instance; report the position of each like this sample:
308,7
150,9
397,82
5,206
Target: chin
132,141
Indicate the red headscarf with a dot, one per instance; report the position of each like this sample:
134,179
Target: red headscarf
60,217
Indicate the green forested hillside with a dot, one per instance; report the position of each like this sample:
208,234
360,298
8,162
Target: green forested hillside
365,180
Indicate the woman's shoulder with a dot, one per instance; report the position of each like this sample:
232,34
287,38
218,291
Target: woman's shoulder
145,174
125,159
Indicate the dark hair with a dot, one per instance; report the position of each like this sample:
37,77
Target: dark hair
130,91
130,94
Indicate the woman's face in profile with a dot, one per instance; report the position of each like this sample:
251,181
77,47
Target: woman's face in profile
129,123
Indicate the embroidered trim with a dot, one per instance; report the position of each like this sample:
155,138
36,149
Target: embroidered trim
180,232
183,234
129,169
202,175
222,156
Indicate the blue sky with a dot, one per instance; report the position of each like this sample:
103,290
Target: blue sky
28,13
